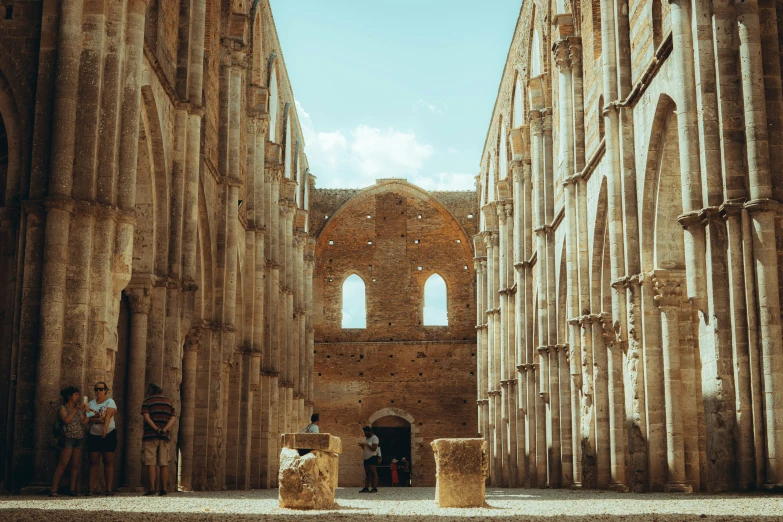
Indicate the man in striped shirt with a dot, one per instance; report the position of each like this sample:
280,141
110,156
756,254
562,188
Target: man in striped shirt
158,414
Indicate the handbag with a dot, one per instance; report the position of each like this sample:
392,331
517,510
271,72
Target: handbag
58,431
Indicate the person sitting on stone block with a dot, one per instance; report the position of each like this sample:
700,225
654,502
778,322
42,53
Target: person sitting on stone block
315,419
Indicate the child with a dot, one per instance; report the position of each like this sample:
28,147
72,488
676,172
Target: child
394,475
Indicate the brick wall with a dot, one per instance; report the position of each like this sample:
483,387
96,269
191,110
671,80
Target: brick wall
425,373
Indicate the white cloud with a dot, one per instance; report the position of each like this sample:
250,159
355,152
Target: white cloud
360,156
437,109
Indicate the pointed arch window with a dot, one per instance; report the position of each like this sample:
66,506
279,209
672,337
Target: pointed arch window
273,104
298,181
491,183
535,55
354,303
435,302
288,145
518,109
502,161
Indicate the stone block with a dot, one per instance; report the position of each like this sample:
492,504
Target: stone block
312,441
307,481
460,472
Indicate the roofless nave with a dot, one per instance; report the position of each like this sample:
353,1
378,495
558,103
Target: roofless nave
160,223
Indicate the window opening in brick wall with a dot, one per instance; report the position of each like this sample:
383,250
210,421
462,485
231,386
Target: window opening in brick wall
435,302
331,242
369,217
9,12
459,241
354,303
416,241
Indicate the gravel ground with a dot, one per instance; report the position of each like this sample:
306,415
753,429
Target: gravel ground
402,504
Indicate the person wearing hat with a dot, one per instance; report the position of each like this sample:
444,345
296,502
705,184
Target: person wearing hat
394,475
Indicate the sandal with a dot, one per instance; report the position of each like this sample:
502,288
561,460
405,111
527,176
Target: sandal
374,490
88,494
149,493
109,493
73,494
54,494
162,493
365,490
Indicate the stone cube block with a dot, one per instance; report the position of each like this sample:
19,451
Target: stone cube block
312,441
460,472
307,481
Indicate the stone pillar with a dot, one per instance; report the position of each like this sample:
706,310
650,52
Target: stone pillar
762,210
188,414
55,246
139,297
669,299
617,424
600,400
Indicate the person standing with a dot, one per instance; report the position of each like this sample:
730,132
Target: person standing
102,439
159,416
372,457
394,475
71,414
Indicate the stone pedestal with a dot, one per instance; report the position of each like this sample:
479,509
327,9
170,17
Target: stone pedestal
460,471
308,481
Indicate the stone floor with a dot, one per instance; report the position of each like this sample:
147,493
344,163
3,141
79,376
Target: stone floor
402,504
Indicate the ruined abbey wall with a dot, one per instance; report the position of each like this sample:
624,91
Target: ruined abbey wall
628,273
394,236
153,214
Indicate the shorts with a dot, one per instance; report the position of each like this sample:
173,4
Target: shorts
375,460
155,452
74,443
98,444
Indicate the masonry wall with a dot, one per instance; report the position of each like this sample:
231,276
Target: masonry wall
424,374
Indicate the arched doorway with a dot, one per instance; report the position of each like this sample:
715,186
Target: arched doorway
394,434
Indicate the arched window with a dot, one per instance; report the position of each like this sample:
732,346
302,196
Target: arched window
502,161
258,55
491,183
298,178
354,307
535,55
306,197
436,305
518,105
657,23
288,144
273,104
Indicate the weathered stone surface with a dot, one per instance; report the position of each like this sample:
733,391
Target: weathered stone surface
461,472
307,481
313,441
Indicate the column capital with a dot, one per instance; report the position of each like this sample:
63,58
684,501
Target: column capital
562,54
501,212
668,288
575,48
139,298
535,122
193,338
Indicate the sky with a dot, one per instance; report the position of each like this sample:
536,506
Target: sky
395,88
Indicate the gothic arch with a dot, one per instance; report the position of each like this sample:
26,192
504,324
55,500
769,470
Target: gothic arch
600,248
257,69
274,98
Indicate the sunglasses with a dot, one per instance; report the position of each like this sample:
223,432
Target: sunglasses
100,389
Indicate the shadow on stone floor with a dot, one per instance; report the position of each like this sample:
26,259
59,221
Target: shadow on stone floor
29,515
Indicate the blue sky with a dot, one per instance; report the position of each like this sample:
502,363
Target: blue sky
401,88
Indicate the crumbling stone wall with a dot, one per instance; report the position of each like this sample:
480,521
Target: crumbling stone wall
424,373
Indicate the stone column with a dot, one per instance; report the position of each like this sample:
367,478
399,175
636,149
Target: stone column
669,299
140,298
55,246
188,414
502,331
600,399
617,423
762,210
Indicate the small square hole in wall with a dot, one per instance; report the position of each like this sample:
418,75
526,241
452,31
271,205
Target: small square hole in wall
465,402
326,217
392,375
369,242
470,216
466,267
473,355
392,401
416,241
328,356
464,423
471,373
389,324
419,401
360,401
391,357
319,374
361,357
369,217
459,241
402,235
361,374
330,279
420,375
421,268
419,216
391,338
374,280
421,423
331,242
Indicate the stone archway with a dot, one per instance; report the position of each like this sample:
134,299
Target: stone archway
395,423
